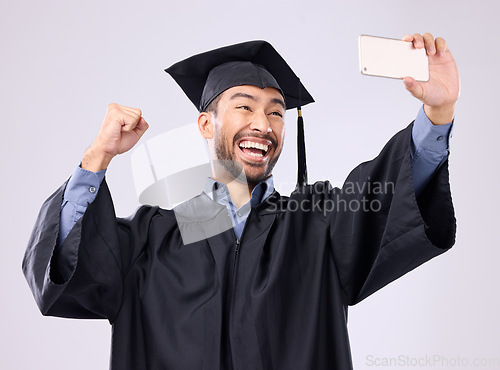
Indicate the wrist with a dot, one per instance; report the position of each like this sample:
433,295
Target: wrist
440,115
95,160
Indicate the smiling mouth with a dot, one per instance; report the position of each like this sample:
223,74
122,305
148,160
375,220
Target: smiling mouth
254,149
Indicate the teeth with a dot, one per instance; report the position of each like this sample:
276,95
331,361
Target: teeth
256,155
251,144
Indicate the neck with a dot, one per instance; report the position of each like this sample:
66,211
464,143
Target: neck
240,192
239,189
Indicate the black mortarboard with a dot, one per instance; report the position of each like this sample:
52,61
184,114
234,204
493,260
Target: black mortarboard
204,76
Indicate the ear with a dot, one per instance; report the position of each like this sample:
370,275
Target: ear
205,125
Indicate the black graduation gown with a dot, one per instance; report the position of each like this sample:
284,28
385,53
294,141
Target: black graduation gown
277,299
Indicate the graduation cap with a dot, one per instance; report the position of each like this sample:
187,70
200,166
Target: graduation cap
205,76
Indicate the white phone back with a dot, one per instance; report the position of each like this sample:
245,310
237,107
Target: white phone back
384,57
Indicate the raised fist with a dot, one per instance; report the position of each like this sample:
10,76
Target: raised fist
121,129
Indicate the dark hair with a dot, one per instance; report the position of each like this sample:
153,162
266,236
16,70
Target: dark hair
212,107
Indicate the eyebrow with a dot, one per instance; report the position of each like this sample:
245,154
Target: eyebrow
279,101
251,97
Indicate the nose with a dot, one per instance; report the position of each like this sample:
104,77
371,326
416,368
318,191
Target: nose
260,123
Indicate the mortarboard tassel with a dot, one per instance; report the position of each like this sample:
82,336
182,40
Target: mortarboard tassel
301,145
301,151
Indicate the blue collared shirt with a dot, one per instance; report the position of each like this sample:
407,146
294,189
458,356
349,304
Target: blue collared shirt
219,193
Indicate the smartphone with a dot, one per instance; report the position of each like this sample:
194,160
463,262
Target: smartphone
385,57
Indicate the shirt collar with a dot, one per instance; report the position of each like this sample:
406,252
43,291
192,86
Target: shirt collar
216,191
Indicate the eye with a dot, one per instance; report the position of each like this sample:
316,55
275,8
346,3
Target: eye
244,107
279,114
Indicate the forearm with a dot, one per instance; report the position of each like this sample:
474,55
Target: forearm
95,160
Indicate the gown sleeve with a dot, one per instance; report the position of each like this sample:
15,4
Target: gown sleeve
87,280
379,230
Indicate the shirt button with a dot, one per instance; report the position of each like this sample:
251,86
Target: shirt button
440,138
239,214
92,190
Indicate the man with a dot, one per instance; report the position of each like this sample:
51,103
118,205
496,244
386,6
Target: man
241,277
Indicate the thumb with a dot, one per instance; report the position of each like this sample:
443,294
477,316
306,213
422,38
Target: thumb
141,127
414,87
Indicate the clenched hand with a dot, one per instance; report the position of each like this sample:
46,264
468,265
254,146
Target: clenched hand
121,129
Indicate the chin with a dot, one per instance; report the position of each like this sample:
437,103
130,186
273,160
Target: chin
254,177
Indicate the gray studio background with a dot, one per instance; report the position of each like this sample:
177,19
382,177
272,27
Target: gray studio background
63,61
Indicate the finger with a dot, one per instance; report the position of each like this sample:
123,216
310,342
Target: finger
116,111
414,87
121,107
430,47
408,38
441,46
418,41
129,121
133,111
112,106
141,127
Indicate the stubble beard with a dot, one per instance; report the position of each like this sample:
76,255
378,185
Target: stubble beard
225,156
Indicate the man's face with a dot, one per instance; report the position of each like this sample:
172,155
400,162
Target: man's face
249,131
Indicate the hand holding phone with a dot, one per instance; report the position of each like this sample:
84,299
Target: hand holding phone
425,64
385,57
